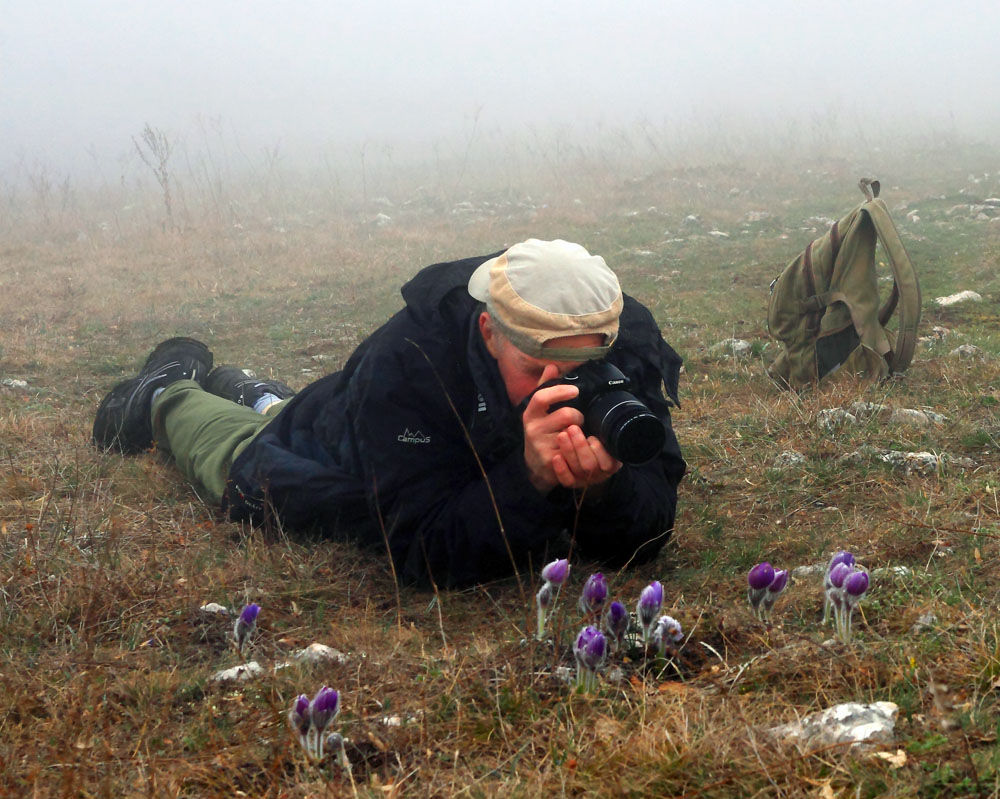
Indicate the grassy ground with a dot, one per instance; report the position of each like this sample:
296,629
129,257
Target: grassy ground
106,659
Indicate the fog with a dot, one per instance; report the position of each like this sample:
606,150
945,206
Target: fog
81,79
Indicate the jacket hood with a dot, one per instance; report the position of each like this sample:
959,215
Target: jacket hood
425,294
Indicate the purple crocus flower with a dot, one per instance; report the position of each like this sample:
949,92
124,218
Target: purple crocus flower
591,651
298,716
616,623
846,598
667,635
839,573
310,720
245,625
650,602
771,592
324,708
595,592
841,557
556,572
855,586
759,578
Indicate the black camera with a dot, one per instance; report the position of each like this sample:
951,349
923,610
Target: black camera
629,430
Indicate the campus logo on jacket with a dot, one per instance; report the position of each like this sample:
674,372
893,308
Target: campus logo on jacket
406,437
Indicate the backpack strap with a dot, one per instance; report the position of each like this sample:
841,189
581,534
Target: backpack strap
905,288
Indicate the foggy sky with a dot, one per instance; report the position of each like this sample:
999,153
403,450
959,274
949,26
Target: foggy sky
86,75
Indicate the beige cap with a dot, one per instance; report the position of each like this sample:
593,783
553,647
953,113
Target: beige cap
541,290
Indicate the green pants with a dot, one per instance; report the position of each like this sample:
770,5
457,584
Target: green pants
204,433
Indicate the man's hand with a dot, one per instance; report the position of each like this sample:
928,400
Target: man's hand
555,449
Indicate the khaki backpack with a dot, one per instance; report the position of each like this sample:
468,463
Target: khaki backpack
824,306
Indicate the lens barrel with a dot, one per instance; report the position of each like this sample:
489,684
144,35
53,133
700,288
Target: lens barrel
628,429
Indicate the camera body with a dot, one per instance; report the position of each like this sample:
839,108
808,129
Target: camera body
628,429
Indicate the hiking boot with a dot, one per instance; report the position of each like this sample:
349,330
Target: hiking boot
123,420
243,387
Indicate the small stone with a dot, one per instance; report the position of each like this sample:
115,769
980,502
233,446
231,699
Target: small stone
13,382
564,674
966,351
718,234
909,416
381,220
730,348
802,572
245,671
892,571
691,219
831,418
925,622
789,458
866,410
956,299
940,332
215,608
852,722
319,653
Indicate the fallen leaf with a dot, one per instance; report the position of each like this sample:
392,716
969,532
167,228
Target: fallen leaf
895,759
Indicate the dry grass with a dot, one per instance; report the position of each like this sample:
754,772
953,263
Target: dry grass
106,658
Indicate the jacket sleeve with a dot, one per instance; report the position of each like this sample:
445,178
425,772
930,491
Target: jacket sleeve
440,510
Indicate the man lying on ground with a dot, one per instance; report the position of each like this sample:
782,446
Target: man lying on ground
435,437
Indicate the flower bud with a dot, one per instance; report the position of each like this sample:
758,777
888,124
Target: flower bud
595,591
324,708
761,576
556,572
650,602
245,625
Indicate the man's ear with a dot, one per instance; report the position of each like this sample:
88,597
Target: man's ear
490,335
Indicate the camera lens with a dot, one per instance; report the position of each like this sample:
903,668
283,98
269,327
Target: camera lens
629,430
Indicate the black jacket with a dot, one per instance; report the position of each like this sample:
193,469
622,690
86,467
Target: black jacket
400,439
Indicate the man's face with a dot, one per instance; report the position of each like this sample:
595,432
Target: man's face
522,373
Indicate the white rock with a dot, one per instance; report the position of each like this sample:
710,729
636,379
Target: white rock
891,571
245,671
216,608
692,219
921,462
830,418
925,622
864,410
910,416
730,347
319,653
966,351
718,234
13,382
956,299
789,458
851,722
802,572
381,220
